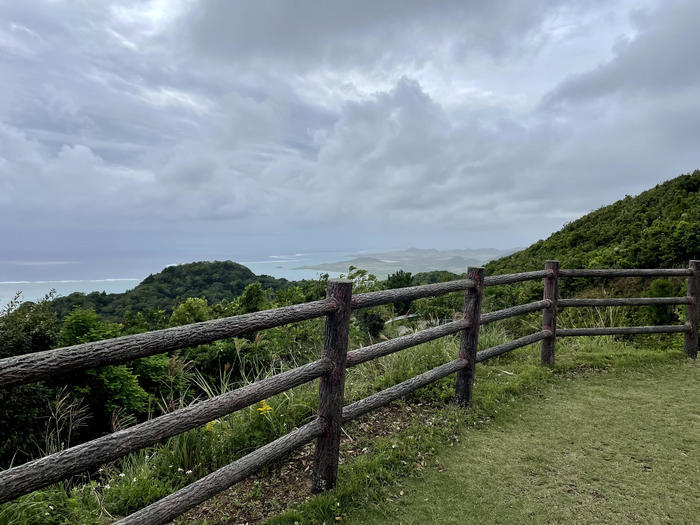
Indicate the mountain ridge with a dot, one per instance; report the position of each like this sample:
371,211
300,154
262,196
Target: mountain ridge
213,280
414,260
658,228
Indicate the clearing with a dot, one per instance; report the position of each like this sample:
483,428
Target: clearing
622,446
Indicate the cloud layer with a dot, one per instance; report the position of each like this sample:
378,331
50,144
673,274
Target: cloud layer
358,125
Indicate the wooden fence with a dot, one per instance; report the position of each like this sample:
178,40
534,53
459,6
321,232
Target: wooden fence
330,368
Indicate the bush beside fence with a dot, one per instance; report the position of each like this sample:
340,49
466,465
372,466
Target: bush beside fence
330,369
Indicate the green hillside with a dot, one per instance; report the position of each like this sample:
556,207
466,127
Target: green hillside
658,228
216,281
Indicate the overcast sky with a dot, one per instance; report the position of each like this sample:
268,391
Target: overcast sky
215,126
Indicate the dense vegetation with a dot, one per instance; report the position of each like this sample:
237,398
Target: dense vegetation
114,396
215,281
660,227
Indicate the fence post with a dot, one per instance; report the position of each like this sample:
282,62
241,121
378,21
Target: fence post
332,386
549,315
692,310
469,338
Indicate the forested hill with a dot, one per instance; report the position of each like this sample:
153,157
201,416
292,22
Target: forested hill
215,281
660,228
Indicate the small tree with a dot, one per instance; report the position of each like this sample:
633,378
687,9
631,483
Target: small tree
25,328
662,313
193,310
400,279
253,299
109,388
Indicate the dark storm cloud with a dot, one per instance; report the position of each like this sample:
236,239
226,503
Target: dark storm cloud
284,118
661,59
363,33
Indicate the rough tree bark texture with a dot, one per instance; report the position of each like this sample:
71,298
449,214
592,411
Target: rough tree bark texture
627,272
332,386
622,301
385,397
400,343
464,383
28,368
331,368
512,345
509,278
692,311
549,315
409,293
514,311
56,467
623,330
172,506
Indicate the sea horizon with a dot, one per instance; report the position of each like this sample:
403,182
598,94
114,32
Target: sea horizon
119,273
35,279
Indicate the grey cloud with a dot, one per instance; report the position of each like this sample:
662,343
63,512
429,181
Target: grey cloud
661,58
302,120
364,33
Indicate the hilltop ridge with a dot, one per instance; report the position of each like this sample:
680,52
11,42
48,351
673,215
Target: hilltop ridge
214,280
415,260
659,228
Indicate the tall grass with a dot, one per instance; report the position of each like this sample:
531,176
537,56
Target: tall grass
143,477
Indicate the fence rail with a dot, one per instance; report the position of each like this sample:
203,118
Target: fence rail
615,301
330,369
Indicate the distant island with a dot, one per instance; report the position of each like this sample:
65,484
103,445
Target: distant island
415,260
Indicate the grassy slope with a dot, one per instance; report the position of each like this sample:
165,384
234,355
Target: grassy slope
617,447
659,228
505,387
514,380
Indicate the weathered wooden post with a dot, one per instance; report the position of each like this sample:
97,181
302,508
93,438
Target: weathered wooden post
470,338
692,310
332,386
549,314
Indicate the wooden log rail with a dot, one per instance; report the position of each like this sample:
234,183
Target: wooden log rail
623,330
612,273
80,458
615,301
330,369
689,328
170,507
33,367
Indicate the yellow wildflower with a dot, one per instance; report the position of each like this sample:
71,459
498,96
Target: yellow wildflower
264,408
210,426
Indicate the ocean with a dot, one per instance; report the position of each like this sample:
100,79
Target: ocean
35,279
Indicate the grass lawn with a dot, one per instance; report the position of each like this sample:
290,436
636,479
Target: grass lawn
621,446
